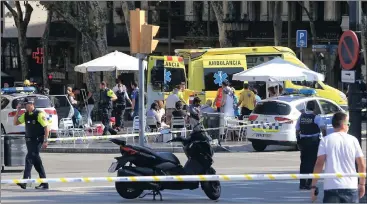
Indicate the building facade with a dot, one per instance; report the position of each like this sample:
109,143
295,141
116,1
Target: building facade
182,24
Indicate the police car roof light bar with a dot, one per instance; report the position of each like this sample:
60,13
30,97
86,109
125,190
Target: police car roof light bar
11,90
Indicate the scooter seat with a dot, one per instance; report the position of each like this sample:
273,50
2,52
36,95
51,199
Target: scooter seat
169,157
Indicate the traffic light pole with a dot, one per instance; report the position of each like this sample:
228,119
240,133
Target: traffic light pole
141,58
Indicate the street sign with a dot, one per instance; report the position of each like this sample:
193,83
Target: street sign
348,76
301,38
348,50
320,48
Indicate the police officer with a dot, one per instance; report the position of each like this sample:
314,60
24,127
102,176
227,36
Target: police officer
36,134
309,129
120,105
107,97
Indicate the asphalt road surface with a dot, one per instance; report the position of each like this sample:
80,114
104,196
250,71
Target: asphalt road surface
96,165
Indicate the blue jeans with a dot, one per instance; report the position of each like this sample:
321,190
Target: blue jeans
341,196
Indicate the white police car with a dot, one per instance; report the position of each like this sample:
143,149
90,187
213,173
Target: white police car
273,121
11,97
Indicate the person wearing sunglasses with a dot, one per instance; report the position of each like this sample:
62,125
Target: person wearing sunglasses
339,152
309,129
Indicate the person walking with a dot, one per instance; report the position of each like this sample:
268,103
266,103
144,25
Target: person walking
246,101
120,106
36,135
105,104
339,152
309,128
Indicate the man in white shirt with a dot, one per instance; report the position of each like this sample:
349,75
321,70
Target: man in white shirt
116,88
171,104
339,152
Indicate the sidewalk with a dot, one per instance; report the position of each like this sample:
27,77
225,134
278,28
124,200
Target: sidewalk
110,148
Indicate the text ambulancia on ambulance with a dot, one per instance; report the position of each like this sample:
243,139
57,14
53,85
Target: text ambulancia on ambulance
273,121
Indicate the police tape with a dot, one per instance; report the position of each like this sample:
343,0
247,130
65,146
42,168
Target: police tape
241,177
107,137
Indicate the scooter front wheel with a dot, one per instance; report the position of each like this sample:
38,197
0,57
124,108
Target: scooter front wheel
212,189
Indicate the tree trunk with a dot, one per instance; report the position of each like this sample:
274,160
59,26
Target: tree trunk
22,25
276,7
127,6
45,38
22,41
224,40
310,14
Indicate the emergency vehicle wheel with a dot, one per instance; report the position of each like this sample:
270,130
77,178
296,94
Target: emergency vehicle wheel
258,146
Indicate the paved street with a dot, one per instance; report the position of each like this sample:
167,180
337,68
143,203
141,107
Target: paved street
96,165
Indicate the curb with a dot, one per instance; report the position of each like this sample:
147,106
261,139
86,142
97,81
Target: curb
117,151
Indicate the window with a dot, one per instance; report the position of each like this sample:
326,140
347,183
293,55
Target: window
328,107
210,82
272,108
10,55
344,8
4,102
301,107
309,84
316,108
39,102
254,60
177,76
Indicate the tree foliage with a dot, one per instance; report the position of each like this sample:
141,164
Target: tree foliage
21,20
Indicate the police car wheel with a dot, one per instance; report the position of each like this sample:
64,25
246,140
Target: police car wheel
258,146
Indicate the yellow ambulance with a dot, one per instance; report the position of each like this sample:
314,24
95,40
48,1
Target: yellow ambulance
201,78
164,73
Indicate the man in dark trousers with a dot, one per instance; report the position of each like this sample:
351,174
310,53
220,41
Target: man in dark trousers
120,105
36,134
309,129
105,103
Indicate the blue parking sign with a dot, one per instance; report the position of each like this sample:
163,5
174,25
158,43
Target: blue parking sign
301,38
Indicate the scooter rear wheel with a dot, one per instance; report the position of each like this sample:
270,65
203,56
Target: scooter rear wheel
127,192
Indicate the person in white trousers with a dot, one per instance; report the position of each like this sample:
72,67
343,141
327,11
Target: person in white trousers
90,105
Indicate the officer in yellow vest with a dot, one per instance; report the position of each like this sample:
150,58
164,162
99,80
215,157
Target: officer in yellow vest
36,134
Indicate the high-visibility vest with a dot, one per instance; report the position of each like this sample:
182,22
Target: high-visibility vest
219,98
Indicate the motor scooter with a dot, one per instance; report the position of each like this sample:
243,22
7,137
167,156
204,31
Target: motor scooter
143,161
